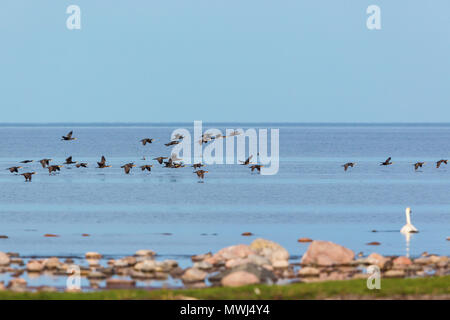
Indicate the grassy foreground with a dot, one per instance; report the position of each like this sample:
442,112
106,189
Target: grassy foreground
398,288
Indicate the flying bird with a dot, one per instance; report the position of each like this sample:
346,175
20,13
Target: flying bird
206,137
201,173
171,143
178,137
387,162
26,161
14,169
257,167
45,162
28,175
160,159
418,165
147,167
68,137
246,162
177,165
438,164
197,165
82,164
102,163
168,163
69,161
127,167
234,133
146,140
348,164
54,168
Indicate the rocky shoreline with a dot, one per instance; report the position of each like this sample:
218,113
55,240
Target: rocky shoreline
263,261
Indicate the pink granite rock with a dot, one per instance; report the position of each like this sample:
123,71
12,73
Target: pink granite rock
326,253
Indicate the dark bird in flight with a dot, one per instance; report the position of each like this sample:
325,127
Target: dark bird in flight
168,164
348,164
197,165
219,136
102,163
147,167
68,137
14,169
26,161
54,168
45,162
246,162
171,143
69,161
201,173
235,133
82,164
206,137
177,165
146,140
160,159
257,167
178,137
438,164
28,175
418,165
387,162
127,167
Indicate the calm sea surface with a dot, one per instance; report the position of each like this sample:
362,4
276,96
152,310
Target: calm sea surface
170,212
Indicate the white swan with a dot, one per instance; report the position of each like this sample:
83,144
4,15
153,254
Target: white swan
408,227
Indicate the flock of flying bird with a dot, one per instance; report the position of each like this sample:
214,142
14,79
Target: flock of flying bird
388,162
172,162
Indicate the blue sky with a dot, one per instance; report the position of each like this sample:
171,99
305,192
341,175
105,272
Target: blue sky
233,60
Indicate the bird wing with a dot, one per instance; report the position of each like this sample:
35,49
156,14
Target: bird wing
69,135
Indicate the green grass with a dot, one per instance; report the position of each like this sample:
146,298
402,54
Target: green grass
399,288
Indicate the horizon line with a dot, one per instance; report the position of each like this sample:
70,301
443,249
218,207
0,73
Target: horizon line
162,123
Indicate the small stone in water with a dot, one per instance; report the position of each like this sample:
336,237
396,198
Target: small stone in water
85,235
193,275
246,234
302,240
145,253
34,266
3,237
4,259
373,243
93,255
50,235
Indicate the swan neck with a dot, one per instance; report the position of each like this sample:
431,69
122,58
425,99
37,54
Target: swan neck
408,218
